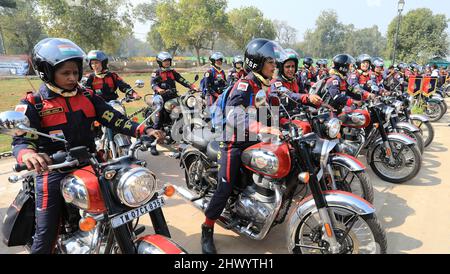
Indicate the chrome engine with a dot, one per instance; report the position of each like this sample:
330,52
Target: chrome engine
255,207
78,243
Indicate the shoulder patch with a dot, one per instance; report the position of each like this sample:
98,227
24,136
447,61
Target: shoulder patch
154,74
335,82
21,108
278,84
242,86
207,74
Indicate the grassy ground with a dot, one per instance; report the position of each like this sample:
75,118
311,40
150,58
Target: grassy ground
12,90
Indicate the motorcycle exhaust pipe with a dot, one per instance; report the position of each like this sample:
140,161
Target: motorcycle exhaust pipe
187,195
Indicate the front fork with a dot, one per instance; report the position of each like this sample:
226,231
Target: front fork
327,218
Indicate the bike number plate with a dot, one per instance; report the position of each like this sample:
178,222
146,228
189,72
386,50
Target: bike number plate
136,213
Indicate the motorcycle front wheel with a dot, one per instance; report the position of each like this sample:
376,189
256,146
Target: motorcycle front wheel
355,233
416,136
406,165
426,129
434,111
357,182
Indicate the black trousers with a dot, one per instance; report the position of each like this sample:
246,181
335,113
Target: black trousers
229,161
49,205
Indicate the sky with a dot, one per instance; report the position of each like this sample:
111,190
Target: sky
302,14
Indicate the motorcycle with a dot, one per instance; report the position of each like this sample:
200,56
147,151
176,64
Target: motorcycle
394,157
185,113
115,145
325,222
103,201
350,177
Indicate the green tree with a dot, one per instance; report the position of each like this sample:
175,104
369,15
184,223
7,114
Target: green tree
94,24
248,23
21,27
422,36
327,39
367,40
194,24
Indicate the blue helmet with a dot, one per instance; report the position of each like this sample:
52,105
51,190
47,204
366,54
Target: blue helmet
99,56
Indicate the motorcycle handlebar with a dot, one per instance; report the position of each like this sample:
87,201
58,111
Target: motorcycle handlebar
58,161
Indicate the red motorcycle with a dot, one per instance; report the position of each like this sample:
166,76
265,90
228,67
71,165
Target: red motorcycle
111,198
273,173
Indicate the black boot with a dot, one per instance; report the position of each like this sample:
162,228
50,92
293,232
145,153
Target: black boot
208,246
154,151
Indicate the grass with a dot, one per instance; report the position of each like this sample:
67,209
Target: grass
12,90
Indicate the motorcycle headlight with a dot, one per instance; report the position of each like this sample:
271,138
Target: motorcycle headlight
74,192
117,106
136,187
191,102
333,127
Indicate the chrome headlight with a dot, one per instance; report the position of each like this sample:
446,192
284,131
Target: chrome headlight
191,102
74,192
117,106
136,187
333,127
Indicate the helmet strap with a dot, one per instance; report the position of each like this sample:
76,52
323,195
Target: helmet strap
264,81
62,92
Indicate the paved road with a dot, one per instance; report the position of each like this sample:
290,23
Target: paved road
415,214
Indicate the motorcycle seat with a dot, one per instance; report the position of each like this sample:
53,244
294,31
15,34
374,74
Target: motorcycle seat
212,150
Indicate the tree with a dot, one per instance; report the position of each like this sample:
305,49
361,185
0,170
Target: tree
327,39
248,23
422,36
132,47
95,24
367,40
21,27
286,35
194,24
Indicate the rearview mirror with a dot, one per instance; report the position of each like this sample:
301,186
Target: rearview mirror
261,99
139,84
13,123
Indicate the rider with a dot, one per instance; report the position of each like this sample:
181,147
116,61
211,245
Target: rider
238,71
378,71
363,74
322,68
308,76
164,83
339,91
104,82
287,69
215,79
260,59
63,109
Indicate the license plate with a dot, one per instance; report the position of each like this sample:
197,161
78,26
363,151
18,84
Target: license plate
136,213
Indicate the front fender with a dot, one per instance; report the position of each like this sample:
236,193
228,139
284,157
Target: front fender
337,199
435,100
398,137
419,117
157,244
347,161
407,126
